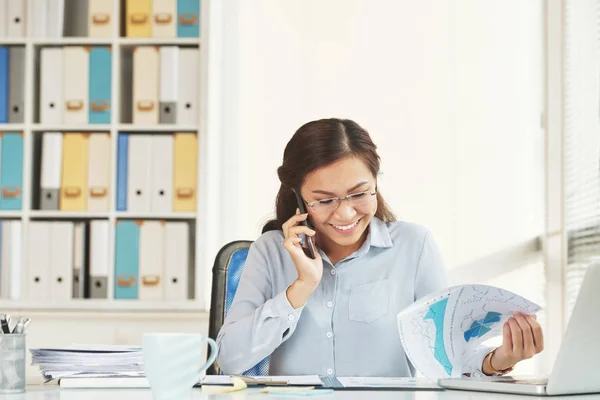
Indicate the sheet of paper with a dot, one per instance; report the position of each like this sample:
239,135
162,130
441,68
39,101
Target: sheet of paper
286,389
440,331
237,383
377,382
299,380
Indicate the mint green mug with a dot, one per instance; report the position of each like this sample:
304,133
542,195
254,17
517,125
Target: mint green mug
171,362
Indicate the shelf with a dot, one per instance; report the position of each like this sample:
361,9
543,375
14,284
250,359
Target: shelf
129,128
80,41
102,305
11,127
48,214
169,216
11,214
12,41
130,42
73,128
134,128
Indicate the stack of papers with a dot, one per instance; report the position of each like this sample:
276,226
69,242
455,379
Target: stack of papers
89,361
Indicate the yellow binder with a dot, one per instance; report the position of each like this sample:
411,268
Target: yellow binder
185,172
139,18
74,172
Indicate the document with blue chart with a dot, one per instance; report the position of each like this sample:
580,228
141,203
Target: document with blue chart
441,331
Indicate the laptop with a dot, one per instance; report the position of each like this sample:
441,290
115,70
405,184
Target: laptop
577,363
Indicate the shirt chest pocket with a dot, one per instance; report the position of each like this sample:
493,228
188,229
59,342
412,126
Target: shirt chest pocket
368,301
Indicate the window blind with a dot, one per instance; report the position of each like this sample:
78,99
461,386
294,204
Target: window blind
581,141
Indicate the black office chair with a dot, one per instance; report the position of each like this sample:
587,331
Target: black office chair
227,271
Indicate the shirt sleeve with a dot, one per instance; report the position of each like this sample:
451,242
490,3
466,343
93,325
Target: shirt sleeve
432,277
256,323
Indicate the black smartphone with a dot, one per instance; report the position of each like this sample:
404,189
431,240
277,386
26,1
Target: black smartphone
307,241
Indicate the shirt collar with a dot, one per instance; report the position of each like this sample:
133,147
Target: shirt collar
379,234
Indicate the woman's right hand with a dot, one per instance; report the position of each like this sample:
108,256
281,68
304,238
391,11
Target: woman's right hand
310,271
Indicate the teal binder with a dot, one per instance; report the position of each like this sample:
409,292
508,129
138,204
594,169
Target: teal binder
188,18
127,260
100,85
11,171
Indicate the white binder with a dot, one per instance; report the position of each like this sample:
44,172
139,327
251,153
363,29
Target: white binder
10,270
98,171
138,173
177,259
151,260
52,144
37,286
100,18
76,70
3,18
56,18
79,252
5,267
16,260
162,174
16,19
61,260
38,10
169,69
145,85
99,259
164,18
187,107
51,85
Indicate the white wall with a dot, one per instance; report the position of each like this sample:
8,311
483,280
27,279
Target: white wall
450,91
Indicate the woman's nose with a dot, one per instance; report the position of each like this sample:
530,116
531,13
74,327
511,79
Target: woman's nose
345,212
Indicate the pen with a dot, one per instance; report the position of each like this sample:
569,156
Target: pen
4,323
26,322
21,325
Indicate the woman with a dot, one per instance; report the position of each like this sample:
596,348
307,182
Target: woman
336,314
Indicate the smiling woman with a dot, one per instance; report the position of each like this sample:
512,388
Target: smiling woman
335,314
330,161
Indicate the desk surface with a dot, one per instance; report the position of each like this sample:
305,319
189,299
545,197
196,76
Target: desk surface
52,392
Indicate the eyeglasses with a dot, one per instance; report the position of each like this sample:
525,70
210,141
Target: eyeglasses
355,200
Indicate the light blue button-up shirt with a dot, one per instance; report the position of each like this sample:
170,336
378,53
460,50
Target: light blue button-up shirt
348,327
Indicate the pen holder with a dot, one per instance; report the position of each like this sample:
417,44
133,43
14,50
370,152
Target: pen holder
12,363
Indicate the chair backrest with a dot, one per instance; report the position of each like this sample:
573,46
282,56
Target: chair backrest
226,274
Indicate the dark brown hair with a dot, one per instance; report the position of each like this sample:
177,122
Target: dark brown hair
318,144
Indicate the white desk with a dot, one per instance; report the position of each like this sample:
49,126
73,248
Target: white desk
52,392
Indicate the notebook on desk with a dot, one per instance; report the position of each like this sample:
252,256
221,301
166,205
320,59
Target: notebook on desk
329,382
321,382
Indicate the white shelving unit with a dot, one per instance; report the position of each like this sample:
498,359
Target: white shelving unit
207,168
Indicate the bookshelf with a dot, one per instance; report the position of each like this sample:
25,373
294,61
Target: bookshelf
200,225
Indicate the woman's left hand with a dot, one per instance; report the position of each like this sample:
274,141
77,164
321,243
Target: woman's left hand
522,339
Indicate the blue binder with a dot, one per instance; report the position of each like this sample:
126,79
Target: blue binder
3,85
122,156
100,85
11,171
188,18
127,259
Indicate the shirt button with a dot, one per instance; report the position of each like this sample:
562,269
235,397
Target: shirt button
291,317
329,335
330,371
333,272
329,304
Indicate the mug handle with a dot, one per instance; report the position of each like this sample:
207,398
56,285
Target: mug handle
211,358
